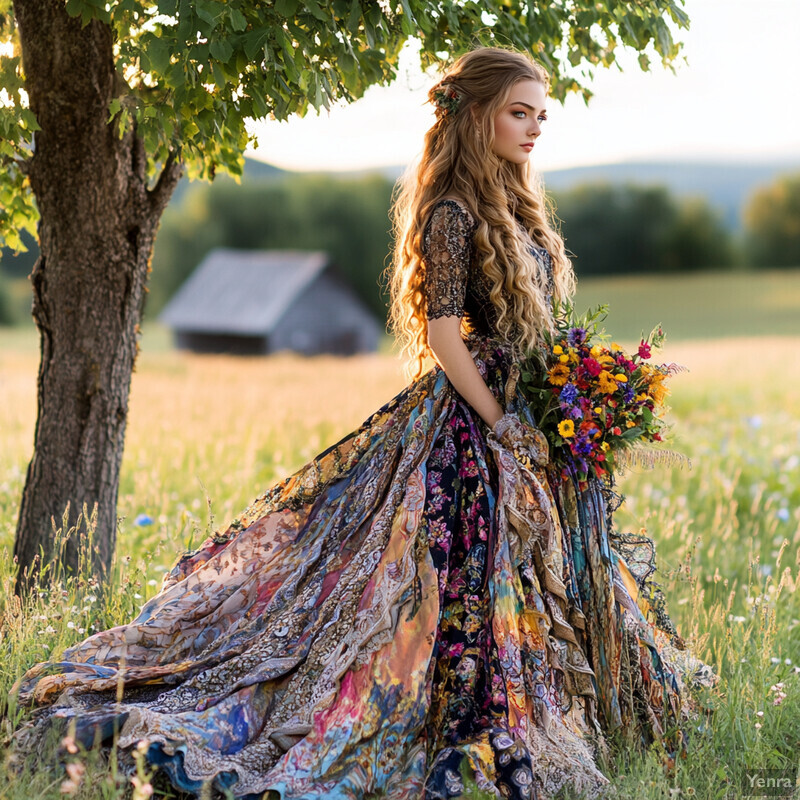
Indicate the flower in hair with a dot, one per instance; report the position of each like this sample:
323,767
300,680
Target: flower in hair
447,99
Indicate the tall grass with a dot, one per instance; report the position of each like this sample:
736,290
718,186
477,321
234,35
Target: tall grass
207,434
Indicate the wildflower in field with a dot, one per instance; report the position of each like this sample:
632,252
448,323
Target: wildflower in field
143,520
759,713
787,661
142,789
758,726
75,772
780,695
68,743
783,514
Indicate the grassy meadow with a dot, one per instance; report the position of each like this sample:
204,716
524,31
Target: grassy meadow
208,433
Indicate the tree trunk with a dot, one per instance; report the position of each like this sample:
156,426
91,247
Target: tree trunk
96,232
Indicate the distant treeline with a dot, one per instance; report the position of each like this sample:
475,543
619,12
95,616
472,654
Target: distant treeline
608,228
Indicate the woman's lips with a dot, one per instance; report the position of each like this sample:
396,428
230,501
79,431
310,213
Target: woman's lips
528,146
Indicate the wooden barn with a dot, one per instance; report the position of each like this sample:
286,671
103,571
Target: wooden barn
252,302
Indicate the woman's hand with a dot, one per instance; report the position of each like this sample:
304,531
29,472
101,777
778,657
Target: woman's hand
452,355
528,444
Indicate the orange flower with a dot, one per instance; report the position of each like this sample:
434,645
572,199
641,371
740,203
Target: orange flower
606,383
658,392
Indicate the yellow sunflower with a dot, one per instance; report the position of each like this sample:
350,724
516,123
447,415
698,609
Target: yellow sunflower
566,428
558,374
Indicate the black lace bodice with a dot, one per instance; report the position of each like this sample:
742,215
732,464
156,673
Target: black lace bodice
455,284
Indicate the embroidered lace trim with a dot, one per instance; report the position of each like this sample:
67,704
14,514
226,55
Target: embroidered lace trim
447,251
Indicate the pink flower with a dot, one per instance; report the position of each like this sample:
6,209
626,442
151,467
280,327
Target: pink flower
644,349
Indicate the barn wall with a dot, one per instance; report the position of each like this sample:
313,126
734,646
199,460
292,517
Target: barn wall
326,318
221,343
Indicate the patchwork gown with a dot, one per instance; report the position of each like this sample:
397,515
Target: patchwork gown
413,614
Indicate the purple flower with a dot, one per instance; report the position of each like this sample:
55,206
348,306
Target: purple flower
576,336
582,445
629,395
569,393
575,413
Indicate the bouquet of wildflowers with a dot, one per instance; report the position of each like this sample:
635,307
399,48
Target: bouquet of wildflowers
592,399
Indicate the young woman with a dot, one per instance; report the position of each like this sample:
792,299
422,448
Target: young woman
428,605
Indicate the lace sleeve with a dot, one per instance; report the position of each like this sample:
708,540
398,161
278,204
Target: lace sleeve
447,251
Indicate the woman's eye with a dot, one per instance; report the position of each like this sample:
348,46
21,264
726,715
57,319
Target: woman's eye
542,119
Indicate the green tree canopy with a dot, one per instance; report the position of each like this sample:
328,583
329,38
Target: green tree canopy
613,228
772,224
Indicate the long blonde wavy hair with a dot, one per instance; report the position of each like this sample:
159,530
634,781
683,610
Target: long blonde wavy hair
458,161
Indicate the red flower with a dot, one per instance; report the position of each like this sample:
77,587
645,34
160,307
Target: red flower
657,437
592,366
644,349
616,430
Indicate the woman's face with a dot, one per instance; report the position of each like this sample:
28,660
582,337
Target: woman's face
517,124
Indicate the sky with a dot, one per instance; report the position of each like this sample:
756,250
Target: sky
734,100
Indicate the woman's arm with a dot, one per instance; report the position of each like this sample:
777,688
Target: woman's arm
444,339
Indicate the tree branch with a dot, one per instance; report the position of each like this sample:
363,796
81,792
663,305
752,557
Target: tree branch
171,173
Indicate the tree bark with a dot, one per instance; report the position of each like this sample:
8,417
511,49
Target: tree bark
96,232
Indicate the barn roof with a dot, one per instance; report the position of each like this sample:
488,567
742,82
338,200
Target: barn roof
242,291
